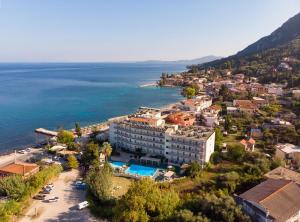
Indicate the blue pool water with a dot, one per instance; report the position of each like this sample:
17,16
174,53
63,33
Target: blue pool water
141,170
117,164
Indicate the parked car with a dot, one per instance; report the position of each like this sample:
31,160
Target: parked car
82,205
53,199
49,186
28,149
46,190
80,186
21,151
56,158
40,197
78,182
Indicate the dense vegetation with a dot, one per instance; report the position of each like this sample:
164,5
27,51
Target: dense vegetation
262,64
19,191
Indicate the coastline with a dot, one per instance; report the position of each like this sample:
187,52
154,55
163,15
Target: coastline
148,84
87,129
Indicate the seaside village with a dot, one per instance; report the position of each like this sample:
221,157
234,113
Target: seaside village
231,134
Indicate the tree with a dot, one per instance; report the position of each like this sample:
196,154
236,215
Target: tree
186,215
215,206
219,139
189,92
194,169
228,123
13,187
236,153
90,155
72,162
146,201
99,181
106,149
78,129
228,181
65,137
225,93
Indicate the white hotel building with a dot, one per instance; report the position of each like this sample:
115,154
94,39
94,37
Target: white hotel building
150,135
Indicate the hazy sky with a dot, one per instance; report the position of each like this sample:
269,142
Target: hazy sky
122,30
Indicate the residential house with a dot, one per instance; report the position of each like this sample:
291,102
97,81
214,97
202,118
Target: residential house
274,89
210,119
274,200
289,153
19,168
214,109
181,119
197,104
239,77
249,144
245,106
232,110
259,102
284,66
296,93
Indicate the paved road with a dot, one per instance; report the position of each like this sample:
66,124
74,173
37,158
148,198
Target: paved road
20,157
66,207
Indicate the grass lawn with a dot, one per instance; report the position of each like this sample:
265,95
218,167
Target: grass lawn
232,139
120,186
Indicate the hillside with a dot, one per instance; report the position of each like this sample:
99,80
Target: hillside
264,58
287,32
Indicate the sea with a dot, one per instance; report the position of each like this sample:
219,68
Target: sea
56,95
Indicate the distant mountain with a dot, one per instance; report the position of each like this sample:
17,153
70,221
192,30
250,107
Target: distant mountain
287,32
184,62
280,38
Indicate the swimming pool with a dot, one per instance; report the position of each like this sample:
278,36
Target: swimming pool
117,164
141,170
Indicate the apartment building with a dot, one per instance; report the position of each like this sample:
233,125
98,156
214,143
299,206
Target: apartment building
152,136
188,144
196,105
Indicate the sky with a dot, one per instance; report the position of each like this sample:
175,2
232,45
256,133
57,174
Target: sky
134,30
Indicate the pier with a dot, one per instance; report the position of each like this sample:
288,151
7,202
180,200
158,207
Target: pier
46,132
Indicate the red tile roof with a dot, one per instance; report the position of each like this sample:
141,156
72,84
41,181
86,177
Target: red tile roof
19,168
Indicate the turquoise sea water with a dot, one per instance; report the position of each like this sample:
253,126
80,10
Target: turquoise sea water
58,95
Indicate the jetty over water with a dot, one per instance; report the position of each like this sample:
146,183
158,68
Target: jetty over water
46,132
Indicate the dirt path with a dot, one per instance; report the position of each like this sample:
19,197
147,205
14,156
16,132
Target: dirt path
66,207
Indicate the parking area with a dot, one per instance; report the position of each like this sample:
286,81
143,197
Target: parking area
65,209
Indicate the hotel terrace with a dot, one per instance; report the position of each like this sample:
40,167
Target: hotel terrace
148,133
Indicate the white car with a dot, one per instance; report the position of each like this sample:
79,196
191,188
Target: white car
50,185
83,205
28,149
22,151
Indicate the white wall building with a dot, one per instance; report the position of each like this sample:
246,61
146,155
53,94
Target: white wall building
152,136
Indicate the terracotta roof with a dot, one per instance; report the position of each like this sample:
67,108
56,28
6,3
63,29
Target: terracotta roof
245,104
19,168
190,102
143,120
251,141
279,197
215,108
244,142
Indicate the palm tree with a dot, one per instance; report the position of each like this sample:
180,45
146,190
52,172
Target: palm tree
106,149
